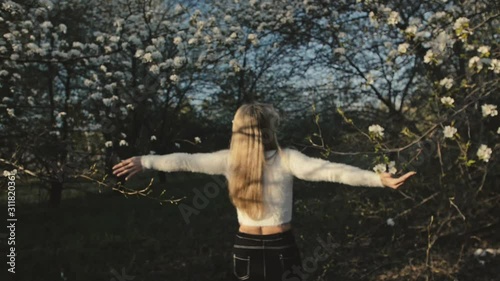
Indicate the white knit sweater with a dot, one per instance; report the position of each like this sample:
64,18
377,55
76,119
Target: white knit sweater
277,178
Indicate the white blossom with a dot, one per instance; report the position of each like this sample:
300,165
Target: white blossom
370,79
392,167
174,78
498,130
139,53
47,4
177,145
106,102
253,39
147,57
429,56
447,83
9,36
46,25
123,143
118,22
108,144
340,51
197,140
373,19
393,18
411,30
10,112
63,28
403,48
77,45
17,47
96,96
153,138
476,63
114,39
31,101
489,110
462,29
88,82
178,8
479,252
449,131
9,173
386,168
179,61
439,15
177,40
449,101
103,68
376,130
155,69
484,153
193,41
390,222
100,39
495,65
130,106
380,168
484,51
110,88
235,65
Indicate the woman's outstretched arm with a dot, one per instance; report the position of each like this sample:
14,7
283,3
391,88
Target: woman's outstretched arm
316,169
214,163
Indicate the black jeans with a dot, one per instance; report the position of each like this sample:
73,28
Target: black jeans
272,257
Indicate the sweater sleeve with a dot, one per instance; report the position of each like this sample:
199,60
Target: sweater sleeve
316,169
209,163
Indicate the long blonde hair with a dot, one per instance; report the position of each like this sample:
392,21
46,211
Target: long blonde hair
254,132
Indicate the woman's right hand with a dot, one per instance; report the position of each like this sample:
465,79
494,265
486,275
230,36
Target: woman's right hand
130,166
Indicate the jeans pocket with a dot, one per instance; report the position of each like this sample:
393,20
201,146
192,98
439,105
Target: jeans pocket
241,267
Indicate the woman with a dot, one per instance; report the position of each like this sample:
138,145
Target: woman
260,175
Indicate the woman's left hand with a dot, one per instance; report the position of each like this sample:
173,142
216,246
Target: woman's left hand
130,166
389,181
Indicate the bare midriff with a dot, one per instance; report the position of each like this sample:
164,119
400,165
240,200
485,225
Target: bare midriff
264,230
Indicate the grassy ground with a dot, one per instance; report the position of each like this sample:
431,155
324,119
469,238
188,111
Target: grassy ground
106,236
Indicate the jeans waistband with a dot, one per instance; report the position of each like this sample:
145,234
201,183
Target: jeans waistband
265,237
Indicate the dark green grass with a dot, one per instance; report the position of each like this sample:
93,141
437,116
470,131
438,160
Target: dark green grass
101,236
